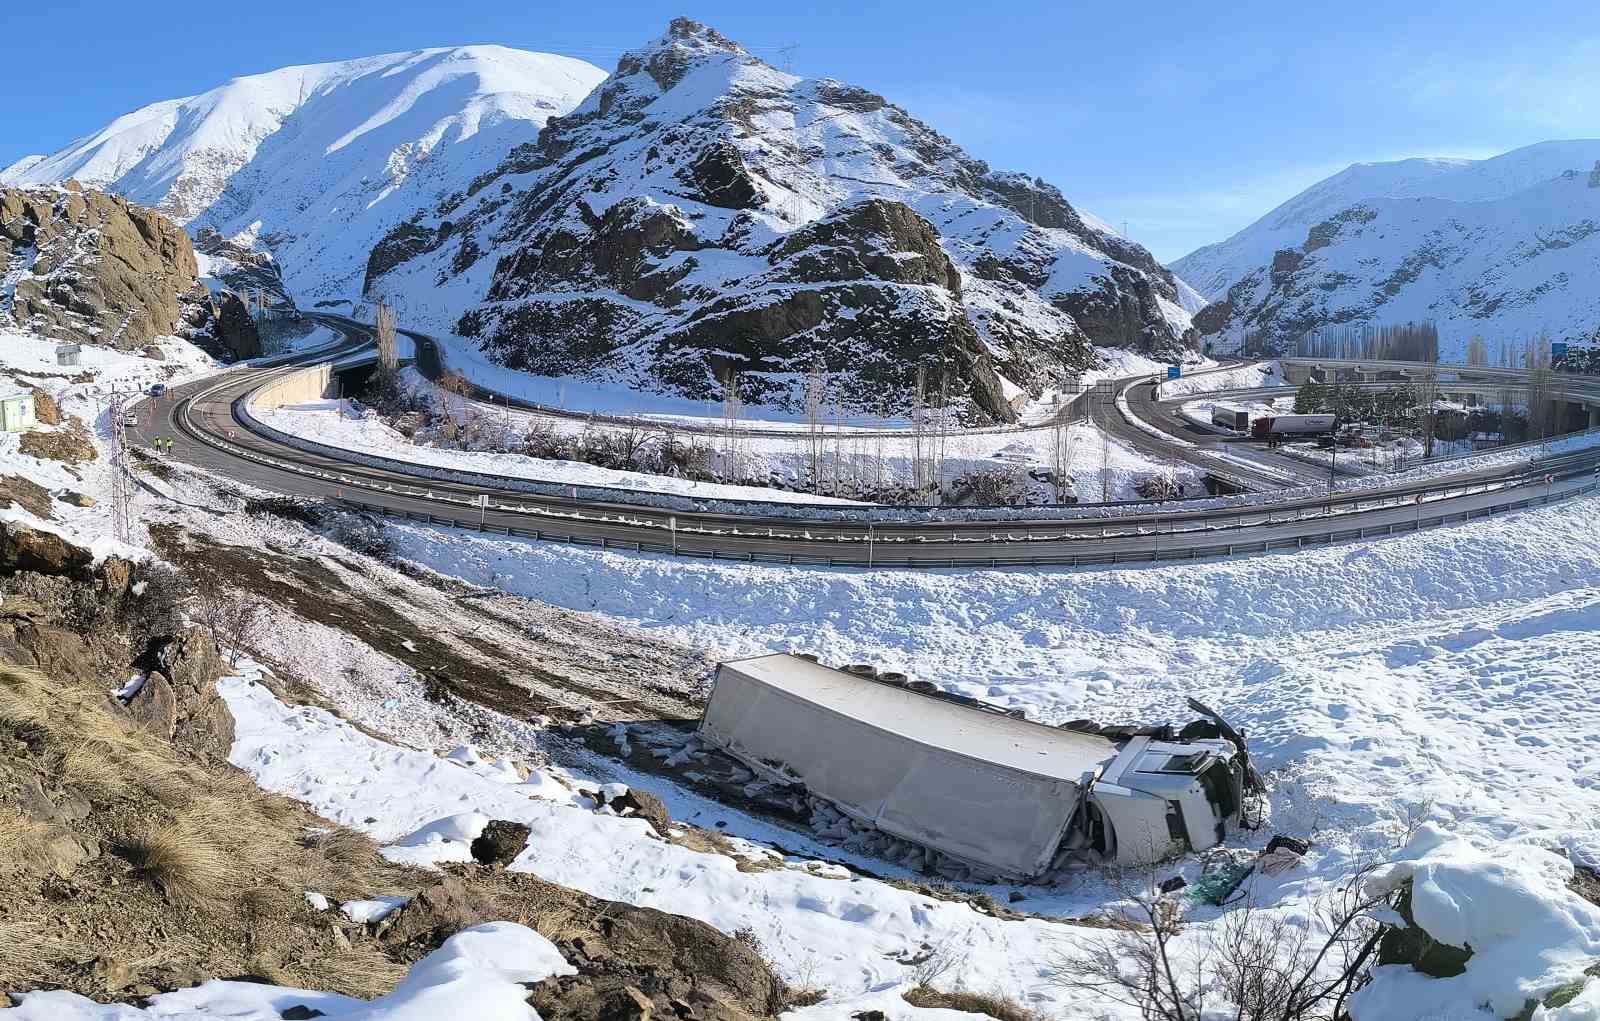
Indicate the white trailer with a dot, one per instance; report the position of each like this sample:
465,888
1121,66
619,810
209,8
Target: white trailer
1004,794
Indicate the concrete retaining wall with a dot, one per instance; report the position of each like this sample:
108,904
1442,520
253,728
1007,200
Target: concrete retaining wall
309,384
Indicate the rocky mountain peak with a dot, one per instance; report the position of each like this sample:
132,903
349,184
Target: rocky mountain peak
702,212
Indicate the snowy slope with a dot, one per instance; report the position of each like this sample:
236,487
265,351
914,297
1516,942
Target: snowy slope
1216,267
702,208
15,171
317,162
1506,269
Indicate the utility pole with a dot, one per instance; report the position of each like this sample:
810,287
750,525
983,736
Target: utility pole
120,495
787,52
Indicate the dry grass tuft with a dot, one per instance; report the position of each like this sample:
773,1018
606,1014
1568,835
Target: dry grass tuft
996,1005
182,861
30,956
343,847
362,971
19,842
20,696
96,767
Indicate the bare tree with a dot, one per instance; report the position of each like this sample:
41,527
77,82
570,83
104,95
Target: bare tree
732,417
1063,445
233,618
1477,351
388,356
815,395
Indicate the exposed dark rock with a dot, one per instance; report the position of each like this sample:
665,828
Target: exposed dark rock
721,178
236,330
645,806
877,238
1411,945
500,843
404,242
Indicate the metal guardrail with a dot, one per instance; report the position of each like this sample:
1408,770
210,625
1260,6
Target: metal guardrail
877,559
868,549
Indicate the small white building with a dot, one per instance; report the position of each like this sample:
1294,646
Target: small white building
17,413
68,354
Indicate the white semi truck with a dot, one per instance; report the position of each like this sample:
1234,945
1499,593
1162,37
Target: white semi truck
1003,794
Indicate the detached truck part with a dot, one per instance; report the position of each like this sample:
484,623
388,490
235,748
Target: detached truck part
1006,795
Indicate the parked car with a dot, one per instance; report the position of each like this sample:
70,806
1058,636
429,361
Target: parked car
158,389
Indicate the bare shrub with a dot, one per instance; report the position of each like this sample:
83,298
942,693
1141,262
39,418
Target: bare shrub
1159,487
1262,965
990,487
362,533
155,610
233,618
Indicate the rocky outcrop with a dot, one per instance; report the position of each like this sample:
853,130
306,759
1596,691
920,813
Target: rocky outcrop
235,330
500,842
93,267
703,213
632,962
30,549
69,443
178,701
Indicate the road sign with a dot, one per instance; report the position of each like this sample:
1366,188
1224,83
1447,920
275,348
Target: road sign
1174,371
1558,349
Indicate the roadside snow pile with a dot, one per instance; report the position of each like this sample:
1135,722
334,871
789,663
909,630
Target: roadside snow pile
1534,944
1245,377
478,973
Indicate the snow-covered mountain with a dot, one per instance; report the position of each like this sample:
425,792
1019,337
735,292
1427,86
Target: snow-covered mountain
1506,249
316,162
702,211
1215,268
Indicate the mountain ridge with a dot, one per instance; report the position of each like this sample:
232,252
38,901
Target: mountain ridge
707,212
1212,269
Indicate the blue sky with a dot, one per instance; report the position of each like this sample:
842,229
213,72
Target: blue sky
1185,122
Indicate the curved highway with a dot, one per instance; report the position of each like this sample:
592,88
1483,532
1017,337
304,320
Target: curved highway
210,430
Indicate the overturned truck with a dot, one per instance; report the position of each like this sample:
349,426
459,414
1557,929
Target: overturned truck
975,782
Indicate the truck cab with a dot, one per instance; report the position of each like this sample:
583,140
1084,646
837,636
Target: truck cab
1160,798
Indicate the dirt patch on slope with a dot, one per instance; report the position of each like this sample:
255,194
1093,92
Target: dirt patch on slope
518,658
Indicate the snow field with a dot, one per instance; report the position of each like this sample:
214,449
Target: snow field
1449,669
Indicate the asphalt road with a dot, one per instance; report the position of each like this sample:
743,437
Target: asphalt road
203,420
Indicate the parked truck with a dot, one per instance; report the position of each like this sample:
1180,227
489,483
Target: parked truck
974,781
1276,427
1230,417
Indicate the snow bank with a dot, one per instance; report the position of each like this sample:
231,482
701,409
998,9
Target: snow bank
477,973
1244,377
1529,934
850,936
